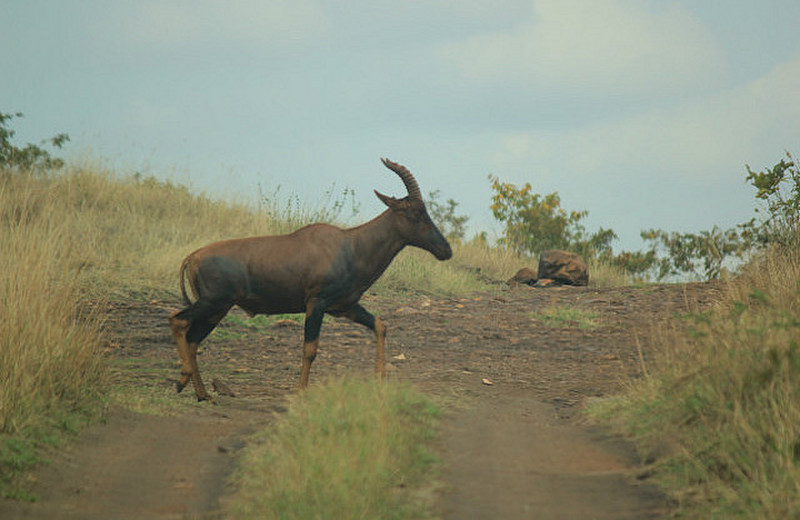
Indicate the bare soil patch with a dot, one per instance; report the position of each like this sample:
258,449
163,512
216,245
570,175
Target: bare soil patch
515,448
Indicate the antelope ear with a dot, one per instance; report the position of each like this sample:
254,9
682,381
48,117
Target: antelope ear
389,201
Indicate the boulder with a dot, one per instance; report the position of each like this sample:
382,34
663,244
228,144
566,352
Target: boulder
563,267
526,275
546,282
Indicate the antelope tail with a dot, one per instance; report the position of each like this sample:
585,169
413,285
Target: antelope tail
184,295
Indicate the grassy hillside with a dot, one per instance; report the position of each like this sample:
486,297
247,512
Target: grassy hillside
126,236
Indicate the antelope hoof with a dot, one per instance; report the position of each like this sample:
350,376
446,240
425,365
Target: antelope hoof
206,397
180,383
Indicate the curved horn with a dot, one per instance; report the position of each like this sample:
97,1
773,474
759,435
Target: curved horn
406,177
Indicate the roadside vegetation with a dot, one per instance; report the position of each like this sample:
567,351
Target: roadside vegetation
347,448
51,373
717,411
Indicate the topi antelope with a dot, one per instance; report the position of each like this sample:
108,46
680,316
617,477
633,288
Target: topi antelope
317,269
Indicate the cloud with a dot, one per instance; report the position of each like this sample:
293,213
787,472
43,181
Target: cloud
604,46
211,23
709,136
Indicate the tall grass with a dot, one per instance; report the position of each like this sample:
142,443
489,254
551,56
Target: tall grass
417,270
50,365
476,266
135,231
287,212
603,274
720,409
350,448
48,344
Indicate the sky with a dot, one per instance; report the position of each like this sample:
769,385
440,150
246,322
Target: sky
643,113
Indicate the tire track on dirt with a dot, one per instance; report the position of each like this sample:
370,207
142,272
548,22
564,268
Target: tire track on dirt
510,456
134,466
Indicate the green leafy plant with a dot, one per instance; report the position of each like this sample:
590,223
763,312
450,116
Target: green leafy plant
636,263
704,254
778,220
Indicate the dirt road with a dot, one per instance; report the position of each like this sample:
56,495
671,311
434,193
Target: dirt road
515,448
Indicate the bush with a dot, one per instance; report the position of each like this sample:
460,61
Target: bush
700,255
704,254
779,190
720,409
31,158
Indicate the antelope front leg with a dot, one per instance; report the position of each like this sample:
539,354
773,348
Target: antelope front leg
359,314
315,311
380,348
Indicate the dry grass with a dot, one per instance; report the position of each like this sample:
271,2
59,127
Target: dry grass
603,275
414,269
48,348
50,367
720,409
476,266
135,232
494,263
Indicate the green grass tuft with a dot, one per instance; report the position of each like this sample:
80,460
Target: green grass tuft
349,448
562,316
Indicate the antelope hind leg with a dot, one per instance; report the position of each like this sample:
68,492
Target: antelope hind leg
179,329
199,387
199,330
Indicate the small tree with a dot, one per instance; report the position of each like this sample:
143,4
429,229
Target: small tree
701,255
445,218
779,189
536,223
32,157
635,263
